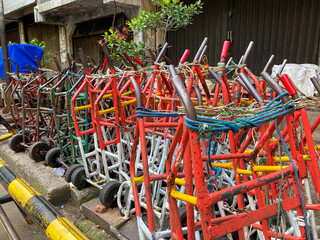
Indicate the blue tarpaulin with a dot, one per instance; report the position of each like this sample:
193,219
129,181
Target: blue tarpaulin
23,55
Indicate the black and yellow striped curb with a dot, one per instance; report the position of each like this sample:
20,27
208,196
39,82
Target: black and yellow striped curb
37,208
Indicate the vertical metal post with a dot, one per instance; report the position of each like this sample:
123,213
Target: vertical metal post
4,43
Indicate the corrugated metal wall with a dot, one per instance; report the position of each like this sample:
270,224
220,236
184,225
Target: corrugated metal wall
212,23
287,28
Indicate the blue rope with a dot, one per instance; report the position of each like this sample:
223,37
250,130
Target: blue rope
297,180
145,112
205,125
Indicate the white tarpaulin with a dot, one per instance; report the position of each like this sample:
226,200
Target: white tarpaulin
300,75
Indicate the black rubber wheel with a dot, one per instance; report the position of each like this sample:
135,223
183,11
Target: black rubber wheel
15,143
38,151
79,179
70,170
52,157
108,194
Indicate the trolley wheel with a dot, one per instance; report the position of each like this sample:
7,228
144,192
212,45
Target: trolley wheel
52,157
38,151
70,170
108,194
15,143
79,179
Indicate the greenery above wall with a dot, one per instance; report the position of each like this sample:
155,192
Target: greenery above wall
169,16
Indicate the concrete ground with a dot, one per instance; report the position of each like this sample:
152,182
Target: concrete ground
24,230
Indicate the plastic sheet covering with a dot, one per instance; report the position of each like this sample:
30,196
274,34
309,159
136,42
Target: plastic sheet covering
300,75
23,55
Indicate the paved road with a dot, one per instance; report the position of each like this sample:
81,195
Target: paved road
24,230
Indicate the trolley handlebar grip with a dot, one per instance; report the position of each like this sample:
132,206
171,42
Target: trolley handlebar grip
137,91
284,63
38,61
152,54
251,88
215,76
184,56
225,50
270,61
315,84
83,59
107,55
245,56
164,48
202,53
203,44
137,60
104,64
183,94
198,94
275,86
57,63
287,83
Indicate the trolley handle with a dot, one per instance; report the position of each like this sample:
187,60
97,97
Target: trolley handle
203,44
30,69
274,85
161,52
229,61
251,88
69,60
198,94
83,59
152,54
270,61
215,76
123,59
38,61
137,60
284,63
315,84
107,55
57,63
183,94
202,53
168,60
184,56
224,52
245,56
137,91
287,83
129,60
17,67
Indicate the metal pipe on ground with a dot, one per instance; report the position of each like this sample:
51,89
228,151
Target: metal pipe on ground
37,208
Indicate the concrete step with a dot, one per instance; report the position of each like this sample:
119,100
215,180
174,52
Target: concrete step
111,221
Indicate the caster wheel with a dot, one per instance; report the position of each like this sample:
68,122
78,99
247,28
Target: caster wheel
79,179
70,170
15,143
52,158
38,151
108,194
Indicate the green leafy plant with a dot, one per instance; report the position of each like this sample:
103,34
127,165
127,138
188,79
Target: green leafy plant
120,41
170,16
